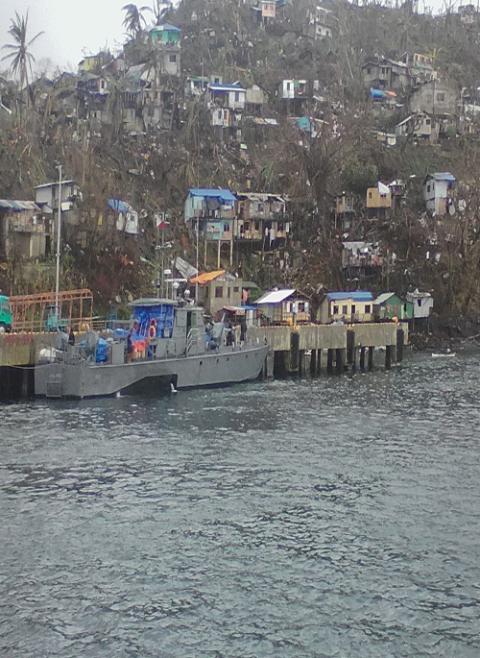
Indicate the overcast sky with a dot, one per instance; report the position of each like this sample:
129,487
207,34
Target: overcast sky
72,27
75,27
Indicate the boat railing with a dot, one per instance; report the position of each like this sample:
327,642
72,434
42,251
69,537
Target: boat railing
192,340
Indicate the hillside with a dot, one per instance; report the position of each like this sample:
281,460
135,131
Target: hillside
146,138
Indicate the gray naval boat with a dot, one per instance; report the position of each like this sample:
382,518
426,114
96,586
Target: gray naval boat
168,347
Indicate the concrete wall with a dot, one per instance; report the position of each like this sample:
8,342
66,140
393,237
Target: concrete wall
277,337
316,337
23,349
375,335
334,336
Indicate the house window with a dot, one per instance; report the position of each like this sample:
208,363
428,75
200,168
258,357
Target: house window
440,97
369,70
237,96
301,307
344,310
419,302
370,195
353,309
229,292
172,59
428,122
246,225
236,289
257,225
226,228
219,292
335,310
288,86
367,308
280,226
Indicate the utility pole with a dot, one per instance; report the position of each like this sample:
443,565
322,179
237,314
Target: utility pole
198,272
59,230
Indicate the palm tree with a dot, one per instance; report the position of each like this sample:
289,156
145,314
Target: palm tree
134,20
160,8
20,55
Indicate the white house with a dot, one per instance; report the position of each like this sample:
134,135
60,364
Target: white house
422,303
294,89
438,193
228,95
47,194
419,126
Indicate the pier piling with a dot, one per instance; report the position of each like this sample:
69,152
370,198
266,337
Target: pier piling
370,358
329,361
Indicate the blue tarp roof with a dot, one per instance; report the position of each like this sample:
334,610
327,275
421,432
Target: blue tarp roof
304,123
212,193
377,93
118,205
227,87
358,296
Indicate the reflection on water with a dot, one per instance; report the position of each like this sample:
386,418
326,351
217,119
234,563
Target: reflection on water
338,517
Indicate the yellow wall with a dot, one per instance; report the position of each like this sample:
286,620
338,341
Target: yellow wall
363,311
377,200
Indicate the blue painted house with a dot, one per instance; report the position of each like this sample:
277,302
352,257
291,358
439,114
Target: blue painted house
211,212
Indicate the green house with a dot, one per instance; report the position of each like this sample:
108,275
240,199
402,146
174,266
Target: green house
166,34
388,305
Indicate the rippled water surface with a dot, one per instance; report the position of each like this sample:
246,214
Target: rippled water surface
339,517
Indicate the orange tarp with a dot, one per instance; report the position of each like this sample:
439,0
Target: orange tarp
207,277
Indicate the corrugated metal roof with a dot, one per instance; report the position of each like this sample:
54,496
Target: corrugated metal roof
165,26
359,296
384,297
443,175
275,296
260,196
54,184
222,194
17,206
207,277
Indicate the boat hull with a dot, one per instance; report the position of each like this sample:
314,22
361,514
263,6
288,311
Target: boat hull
83,380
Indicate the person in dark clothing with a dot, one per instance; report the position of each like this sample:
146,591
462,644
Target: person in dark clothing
243,330
129,347
71,337
230,334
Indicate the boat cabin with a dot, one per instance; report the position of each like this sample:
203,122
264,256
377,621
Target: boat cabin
162,328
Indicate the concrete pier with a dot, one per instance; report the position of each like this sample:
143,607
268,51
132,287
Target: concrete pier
340,344
345,346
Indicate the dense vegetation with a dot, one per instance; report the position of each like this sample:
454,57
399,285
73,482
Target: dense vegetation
154,170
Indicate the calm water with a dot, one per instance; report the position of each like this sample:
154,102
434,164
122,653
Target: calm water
333,518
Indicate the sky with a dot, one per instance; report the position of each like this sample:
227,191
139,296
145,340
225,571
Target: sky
74,28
